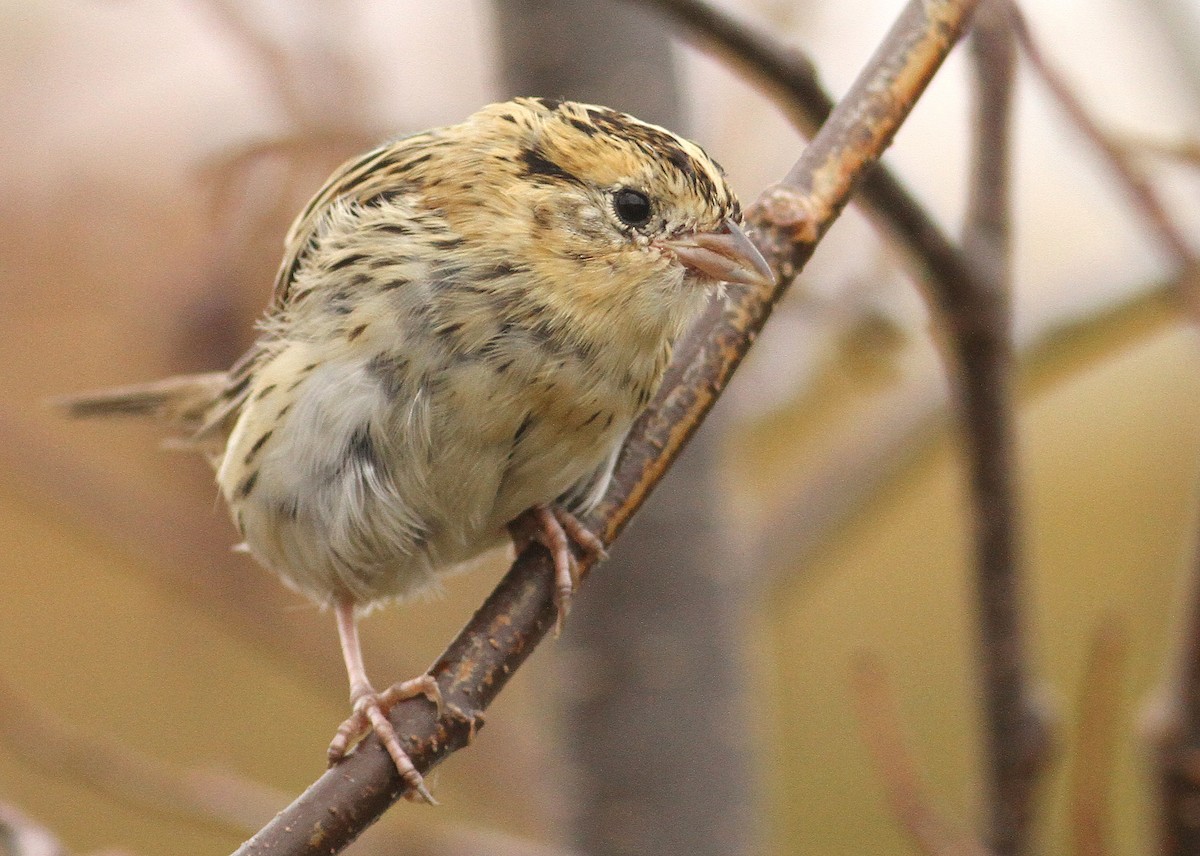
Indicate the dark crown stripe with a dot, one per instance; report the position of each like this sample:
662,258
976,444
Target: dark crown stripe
537,164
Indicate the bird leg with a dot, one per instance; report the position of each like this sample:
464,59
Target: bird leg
556,529
371,707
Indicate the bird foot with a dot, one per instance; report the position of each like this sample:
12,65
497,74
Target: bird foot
370,714
557,529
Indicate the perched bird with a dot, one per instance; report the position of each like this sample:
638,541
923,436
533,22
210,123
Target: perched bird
464,326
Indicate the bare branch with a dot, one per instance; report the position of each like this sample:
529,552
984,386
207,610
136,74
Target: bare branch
789,78
1092,773
882,731
980,338
214,799
789,220
1127,173
1176,731
274,59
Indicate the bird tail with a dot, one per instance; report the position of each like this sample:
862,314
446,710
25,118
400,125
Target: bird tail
187,404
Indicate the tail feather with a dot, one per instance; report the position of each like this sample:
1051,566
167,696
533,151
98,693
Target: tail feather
184,404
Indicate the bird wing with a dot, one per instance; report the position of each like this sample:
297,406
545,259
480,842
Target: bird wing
583,496
376,174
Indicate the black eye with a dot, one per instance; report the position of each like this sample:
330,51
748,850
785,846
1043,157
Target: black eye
632,206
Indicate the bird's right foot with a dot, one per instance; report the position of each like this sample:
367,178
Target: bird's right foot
370,714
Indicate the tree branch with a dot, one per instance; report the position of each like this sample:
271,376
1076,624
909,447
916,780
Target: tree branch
693,794
1130,178
208,797
789,221
879,718
1098,729
788,77
980,338
1176,731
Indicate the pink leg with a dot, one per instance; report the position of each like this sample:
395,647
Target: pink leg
370,707
556,529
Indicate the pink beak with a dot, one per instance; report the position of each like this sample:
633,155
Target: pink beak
726,254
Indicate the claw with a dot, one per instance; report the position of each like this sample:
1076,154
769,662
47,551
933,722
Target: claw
423,685
556,529
370,714
370,708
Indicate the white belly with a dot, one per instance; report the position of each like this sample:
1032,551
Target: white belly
366,491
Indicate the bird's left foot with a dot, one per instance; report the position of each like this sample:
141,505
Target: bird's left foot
556,529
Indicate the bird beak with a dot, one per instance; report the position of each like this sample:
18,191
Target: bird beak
726,254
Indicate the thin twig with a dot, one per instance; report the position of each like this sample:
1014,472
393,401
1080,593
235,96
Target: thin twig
980,338
879,718
902,424
1183,150
1177,732
214,799
1092,773
788,223
1127,173
784,72
275,60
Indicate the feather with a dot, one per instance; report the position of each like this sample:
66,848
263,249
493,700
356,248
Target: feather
181,404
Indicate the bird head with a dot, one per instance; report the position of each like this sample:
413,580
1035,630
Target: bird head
616,219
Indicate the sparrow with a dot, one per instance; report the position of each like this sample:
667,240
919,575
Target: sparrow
464,326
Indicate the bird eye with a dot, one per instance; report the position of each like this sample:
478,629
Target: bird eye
632,206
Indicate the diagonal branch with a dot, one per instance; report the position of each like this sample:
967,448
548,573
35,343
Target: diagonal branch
788,77
783,71
882,731
1129,176
789,221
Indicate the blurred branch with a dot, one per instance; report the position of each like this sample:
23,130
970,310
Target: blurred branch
290,72
980,336
789,220
190,541
272,57
21,836
1176,731
1095,759
1184,150
225,171
879,719
316,83
209,797
693,795
784,72
868,454
1127,173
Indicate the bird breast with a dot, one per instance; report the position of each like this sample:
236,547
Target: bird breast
367,468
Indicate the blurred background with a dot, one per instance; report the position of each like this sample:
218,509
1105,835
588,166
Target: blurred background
718,688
